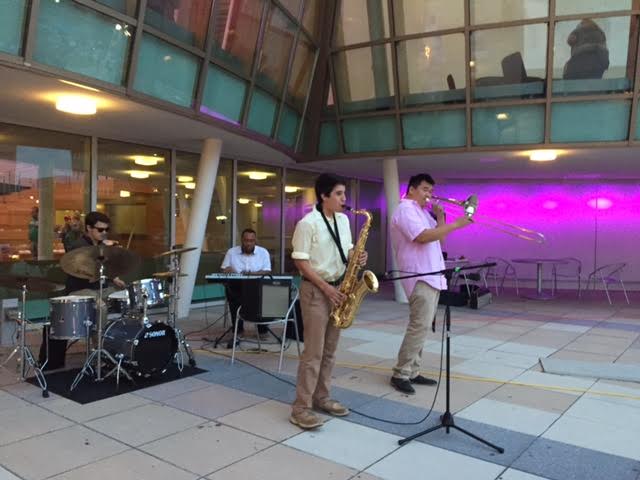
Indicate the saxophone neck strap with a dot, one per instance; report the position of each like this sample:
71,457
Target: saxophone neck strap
335,234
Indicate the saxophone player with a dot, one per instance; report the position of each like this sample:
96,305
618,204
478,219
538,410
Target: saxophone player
416,238
322,246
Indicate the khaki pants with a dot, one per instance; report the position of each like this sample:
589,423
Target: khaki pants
320,345
423,304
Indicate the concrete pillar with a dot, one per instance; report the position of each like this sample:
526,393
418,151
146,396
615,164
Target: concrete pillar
392,195
205,182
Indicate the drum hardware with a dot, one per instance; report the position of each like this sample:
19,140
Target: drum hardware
168,274
147,292
22,350
175,251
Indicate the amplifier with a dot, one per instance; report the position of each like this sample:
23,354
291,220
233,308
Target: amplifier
480,297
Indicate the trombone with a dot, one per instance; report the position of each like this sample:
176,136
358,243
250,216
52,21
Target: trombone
470,207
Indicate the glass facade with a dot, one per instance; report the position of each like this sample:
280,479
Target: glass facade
186,21
12,25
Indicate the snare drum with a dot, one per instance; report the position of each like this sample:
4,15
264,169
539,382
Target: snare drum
150,287
118,302
72,316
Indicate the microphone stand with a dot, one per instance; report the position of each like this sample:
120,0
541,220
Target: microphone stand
446,419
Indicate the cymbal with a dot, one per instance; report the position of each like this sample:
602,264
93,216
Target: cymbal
84,262
34,284
170,273
176,251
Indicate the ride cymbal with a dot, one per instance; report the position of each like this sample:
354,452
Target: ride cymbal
176,251
84,262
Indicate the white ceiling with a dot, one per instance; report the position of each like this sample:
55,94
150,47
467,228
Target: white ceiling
27,98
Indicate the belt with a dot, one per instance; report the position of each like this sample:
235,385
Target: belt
334,283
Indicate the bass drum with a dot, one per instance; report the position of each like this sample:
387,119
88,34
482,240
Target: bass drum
146,349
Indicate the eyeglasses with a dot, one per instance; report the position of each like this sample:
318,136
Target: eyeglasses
101,230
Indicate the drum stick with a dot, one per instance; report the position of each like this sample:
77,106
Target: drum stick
131,236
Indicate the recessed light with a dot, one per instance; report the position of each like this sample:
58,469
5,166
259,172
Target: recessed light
221,217
185,179
190,185
258,175
502,116
145,160
257,204
125,193
243,201
543,155
139,174
291,189
76,104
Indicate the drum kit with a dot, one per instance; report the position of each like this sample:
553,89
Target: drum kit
131,344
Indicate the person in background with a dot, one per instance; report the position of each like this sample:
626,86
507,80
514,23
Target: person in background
72,231
33,231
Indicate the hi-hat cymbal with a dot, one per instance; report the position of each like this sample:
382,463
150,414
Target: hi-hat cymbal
84,262
175,251
34,284
170,273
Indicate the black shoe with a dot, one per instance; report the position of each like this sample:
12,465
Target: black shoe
420,380
402,385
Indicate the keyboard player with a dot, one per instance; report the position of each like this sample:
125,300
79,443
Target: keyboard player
249,259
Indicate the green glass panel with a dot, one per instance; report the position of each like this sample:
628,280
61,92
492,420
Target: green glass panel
508,125
12,25
370,134
128,7
223,94
262,113
590,121
165,71
81,40
328,139
288,128
434,129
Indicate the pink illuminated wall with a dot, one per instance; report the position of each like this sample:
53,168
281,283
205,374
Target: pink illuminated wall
596,223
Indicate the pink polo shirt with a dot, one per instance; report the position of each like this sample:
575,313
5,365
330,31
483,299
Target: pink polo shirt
408,221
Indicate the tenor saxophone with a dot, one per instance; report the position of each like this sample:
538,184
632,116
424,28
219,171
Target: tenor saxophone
354,286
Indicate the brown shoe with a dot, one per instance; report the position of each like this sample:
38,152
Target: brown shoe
306,419
333,407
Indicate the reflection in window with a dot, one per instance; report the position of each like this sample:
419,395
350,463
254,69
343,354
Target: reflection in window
184,20
417,16
300,199
508,125
312,17
509,62
490,11
364,79
301,71
81,40
223,95
431,70
361,21
293,6
217,238
590,121
371,197
276,48
44,177
133,190
567,7
236,33
12,26
128,7
592,55
258,206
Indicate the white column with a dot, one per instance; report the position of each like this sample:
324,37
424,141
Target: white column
205,182
392,194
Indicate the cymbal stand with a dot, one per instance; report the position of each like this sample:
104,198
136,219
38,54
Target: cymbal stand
183,345
25,356
99,352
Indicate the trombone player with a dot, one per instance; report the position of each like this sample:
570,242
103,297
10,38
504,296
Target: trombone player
416,237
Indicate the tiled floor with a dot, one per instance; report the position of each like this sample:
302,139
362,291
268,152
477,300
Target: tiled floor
231,422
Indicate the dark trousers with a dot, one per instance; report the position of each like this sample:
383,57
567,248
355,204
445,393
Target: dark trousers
234,299
57,351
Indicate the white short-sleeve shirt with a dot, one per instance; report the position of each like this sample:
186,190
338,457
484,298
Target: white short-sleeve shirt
257,261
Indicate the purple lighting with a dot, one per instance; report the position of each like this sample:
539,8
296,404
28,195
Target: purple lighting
550,205
600,203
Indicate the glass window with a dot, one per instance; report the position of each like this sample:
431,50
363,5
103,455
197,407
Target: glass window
235,33
44,178
445,128
288,129
313,16
128,7
258,206
417,16
364,79
223,95
590,121
81,40
328,144
217,237
509,62
508,125
165,71
184,20
371,197
300,199
567,7
276,48
361,21
370,134
12,24
490,11
301,72
431,70
593,56
293,6
262,112
133,190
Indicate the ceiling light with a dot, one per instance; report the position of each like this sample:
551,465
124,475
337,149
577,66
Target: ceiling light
185,179
427,51
190,185
221,217
125,193
145,160
600,203
472,64
167,58
257,204
291,189
118,27
243,201
258,175
543,155
502,116
187,196
139,174
76,104
79,85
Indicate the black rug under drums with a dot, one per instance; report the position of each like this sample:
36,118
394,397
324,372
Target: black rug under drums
89,390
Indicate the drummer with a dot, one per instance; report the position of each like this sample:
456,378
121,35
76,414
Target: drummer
96,232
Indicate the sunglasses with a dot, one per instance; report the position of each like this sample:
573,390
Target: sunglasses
101,230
